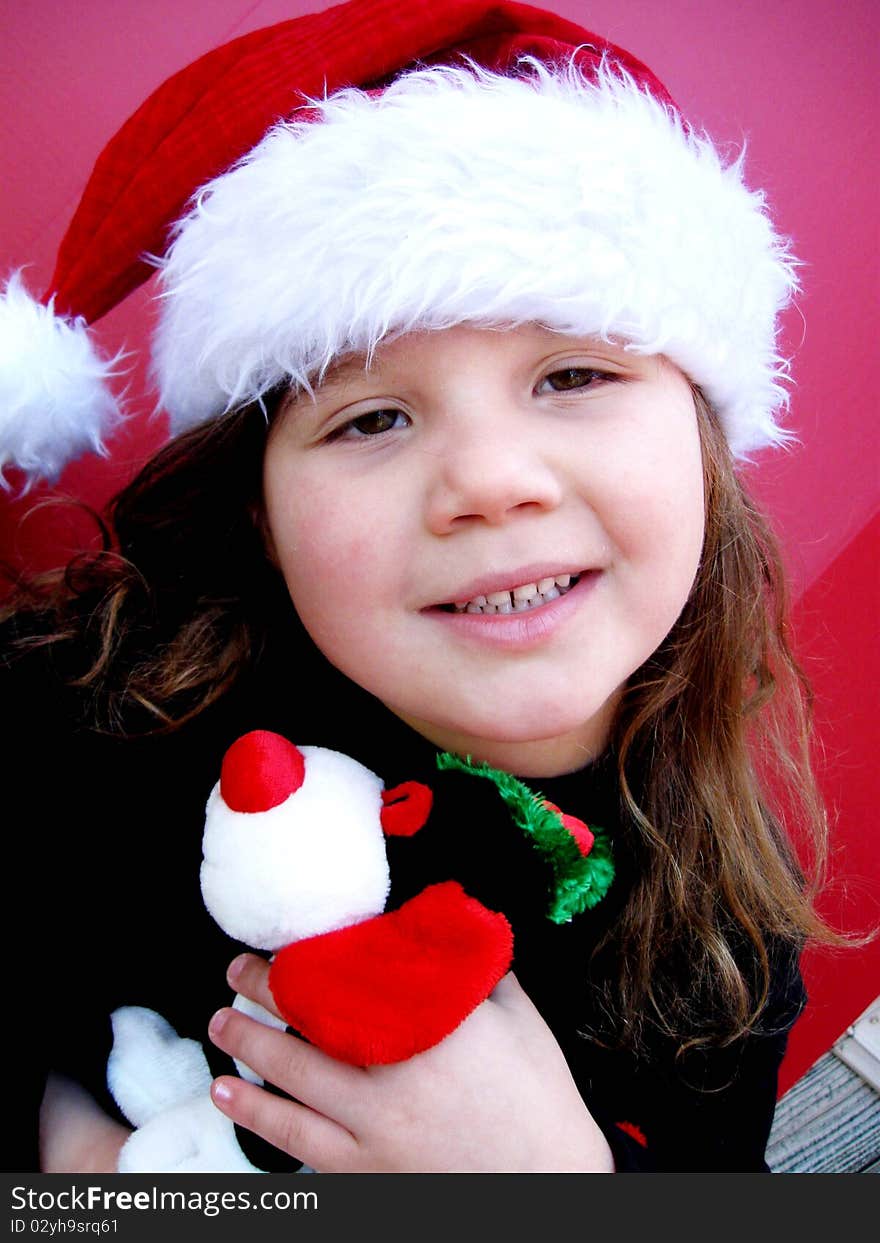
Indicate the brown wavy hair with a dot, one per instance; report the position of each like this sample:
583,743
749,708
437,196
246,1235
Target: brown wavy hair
711,738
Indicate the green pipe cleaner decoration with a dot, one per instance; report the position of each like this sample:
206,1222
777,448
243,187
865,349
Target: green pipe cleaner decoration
579,882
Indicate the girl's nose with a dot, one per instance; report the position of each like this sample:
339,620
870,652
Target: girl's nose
488,478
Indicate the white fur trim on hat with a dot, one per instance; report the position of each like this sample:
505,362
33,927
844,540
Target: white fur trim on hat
459,195
54,399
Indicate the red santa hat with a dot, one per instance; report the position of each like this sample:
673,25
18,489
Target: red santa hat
317,186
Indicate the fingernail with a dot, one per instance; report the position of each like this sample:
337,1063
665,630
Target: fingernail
221,1091
236,967
217,1023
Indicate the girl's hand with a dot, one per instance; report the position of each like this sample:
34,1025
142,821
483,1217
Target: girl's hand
76,1136
495,1096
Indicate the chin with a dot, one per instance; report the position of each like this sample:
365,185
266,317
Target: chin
546,725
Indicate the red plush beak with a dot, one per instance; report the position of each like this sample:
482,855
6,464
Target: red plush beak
259,771
405,808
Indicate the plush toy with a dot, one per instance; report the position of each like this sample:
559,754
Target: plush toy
294,863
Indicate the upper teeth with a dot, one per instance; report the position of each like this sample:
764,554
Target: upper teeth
518,599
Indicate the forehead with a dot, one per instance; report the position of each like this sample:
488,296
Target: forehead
515,340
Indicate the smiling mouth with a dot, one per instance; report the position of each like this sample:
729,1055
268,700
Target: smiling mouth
520,599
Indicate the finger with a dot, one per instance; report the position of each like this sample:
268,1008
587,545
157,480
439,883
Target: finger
288,1125
520,1010
297,1068
508,991
249,975
512,998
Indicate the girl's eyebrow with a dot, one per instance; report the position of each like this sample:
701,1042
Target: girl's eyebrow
340,372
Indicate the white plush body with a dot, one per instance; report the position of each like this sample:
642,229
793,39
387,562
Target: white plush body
162,1083
314,863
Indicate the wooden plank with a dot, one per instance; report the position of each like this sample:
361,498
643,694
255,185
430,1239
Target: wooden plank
829,1122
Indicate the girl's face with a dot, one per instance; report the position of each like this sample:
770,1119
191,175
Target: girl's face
559,478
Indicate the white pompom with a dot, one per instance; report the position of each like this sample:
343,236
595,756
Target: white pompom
54,400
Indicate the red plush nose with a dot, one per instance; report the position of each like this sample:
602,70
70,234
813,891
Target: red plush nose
260,770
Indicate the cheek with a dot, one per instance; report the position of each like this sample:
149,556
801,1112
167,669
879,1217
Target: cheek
334,557
317,551
662,520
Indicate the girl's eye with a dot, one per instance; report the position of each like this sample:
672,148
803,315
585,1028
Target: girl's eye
568,379
374,423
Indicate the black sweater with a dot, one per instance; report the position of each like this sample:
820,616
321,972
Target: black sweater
104,844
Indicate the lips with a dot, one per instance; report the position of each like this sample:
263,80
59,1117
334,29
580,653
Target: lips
519,599
506,628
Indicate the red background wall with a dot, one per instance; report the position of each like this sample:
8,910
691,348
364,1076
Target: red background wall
797,80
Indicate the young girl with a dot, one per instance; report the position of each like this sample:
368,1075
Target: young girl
459,367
